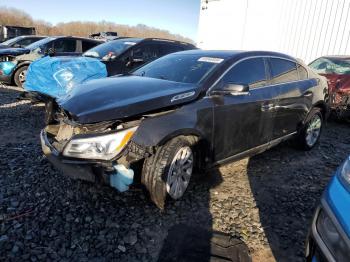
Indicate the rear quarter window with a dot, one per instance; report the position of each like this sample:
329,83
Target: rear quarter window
86,45
283,71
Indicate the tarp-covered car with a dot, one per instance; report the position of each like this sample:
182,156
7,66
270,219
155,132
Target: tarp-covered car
56,76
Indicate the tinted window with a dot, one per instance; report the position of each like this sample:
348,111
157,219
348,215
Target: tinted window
248,72
170,48
146,52
283,71
302,72
27,41
65,45
180,68
86,45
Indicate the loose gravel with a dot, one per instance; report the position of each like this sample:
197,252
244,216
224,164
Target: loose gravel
267,200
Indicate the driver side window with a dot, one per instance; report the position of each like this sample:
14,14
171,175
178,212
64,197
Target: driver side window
249,72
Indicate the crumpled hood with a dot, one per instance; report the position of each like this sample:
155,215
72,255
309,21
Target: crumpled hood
115,98
14,51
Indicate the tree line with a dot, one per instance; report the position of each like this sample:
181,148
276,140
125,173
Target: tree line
16,17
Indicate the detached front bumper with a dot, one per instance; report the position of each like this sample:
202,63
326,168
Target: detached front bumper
75,170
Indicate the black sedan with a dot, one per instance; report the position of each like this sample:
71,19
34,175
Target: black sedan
185,111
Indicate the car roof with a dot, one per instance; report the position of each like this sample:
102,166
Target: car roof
75,37
227,54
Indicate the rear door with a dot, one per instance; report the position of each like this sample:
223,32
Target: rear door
293,94
243,122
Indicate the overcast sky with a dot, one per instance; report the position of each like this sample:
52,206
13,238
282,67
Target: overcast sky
177,16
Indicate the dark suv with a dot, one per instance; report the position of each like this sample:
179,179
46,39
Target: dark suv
124,54
186,110
14,62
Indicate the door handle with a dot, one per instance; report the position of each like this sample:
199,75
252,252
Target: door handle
267,107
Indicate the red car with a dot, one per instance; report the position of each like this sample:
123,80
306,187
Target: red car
337,71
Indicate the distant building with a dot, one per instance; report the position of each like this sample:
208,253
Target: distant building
305,29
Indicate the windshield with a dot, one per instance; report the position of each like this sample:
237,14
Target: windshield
12,41
111,49
39,43
183,68
331,66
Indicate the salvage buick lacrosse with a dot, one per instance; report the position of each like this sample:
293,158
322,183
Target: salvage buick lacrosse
184,112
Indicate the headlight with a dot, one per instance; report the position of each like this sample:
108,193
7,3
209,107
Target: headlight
104,147
331,237
345,172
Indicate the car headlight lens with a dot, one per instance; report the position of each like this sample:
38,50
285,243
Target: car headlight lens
332,237
104,147
345,172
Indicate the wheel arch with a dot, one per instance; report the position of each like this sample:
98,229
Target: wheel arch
20,65
323,107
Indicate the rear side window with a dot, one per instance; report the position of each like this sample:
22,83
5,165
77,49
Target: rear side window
65,45
146,52
302,72
170,48
248,72
283,71
86,45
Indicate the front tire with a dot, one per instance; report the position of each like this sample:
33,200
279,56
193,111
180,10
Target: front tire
169,170
310,133
20,76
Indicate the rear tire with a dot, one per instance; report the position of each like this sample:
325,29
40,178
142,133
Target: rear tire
20,76
168,171
310,133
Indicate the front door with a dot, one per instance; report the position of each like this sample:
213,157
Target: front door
243,121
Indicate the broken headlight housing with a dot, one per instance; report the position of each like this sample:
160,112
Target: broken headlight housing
102,147
345,173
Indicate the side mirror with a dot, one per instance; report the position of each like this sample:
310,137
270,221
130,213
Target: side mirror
233,89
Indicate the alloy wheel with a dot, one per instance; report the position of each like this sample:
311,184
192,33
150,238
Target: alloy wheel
22,76
180,172
313,130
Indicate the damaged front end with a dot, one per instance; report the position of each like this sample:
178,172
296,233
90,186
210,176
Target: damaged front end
100,153
339,95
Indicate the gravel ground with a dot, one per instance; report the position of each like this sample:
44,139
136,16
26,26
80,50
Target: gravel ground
267,200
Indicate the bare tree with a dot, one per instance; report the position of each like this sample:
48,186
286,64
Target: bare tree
16,17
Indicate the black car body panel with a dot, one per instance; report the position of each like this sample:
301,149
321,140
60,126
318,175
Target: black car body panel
121,97
229,125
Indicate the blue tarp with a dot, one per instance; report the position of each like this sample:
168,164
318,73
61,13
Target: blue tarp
56,76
